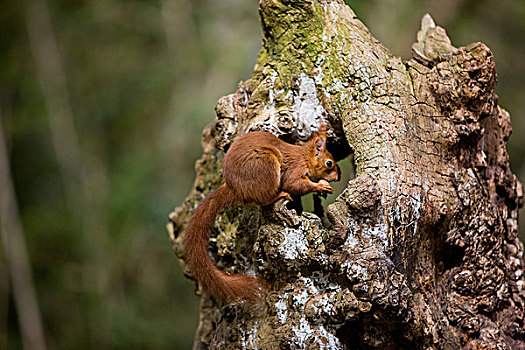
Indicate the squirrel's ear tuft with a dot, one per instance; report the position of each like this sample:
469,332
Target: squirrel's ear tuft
319,138
320,142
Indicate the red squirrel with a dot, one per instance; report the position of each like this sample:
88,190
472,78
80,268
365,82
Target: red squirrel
258,168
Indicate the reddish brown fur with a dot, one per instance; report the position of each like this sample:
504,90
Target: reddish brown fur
259,168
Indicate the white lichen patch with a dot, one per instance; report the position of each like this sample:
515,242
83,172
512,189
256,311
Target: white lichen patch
307,109
368,232
323,306
250,337
294,245
318,78
281,308
300,299
317,336
290,309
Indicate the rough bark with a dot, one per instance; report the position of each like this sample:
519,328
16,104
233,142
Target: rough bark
422,248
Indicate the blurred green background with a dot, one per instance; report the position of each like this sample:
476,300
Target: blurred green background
103,102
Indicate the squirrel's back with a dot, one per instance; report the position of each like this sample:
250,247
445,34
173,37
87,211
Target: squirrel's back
252,167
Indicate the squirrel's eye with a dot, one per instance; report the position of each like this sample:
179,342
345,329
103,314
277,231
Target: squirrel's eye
329,163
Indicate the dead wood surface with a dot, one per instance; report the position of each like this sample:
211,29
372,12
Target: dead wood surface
422,250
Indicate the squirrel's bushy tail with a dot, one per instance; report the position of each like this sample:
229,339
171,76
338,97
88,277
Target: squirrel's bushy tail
216,282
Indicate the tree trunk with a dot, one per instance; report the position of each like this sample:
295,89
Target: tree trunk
421,250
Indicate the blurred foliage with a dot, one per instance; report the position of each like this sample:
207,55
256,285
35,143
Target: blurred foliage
141,79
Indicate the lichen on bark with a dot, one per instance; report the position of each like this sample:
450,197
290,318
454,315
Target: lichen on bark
421,249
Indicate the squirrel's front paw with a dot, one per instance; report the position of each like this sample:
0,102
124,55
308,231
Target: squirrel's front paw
324,187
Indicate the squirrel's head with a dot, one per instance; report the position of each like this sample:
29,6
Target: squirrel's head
322,165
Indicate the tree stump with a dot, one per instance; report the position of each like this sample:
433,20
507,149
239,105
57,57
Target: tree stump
421,249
